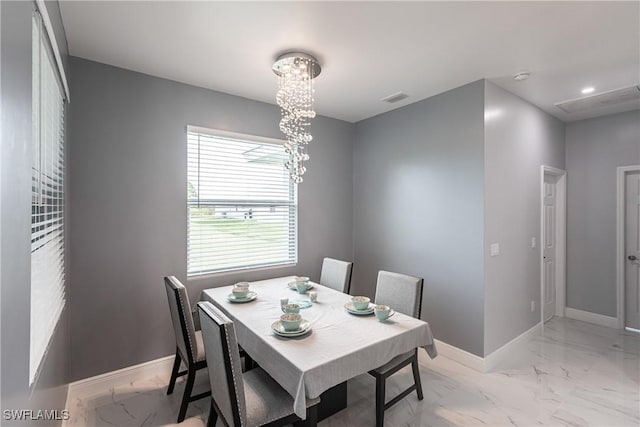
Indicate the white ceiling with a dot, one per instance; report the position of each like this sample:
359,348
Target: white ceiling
369,50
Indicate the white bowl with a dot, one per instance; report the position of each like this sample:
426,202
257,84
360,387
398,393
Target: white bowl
360,302
240,292
290,322
242,285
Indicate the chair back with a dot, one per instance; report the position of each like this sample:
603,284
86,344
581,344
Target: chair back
181,317
401,292
223,361
336,274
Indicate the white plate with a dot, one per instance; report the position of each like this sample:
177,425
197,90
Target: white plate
251,295
292,285
351,309
305,326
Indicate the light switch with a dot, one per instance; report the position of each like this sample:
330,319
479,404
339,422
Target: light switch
495,249
533,243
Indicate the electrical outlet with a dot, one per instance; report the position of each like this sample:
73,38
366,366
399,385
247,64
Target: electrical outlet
494,249
533,306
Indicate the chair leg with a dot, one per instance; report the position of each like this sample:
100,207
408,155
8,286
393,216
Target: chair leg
416,376
380,395
191,377
174,373
213,416
248,362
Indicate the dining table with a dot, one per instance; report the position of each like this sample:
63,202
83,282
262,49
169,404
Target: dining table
339,346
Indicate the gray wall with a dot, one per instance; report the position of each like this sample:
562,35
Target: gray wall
418,207
518,139
595,148
128,206
50,389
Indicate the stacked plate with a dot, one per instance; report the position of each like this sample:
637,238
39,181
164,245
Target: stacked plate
351,309
251,295
278,329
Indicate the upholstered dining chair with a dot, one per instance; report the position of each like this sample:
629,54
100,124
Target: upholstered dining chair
404,294
240,399
336,274
189,346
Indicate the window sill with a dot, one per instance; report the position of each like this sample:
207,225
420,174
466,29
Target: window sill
205,276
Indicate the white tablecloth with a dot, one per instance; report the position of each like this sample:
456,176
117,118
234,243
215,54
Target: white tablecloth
339,347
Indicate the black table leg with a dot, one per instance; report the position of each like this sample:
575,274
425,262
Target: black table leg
332,401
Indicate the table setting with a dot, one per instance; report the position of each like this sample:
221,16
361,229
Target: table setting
310,338
291,324
240,293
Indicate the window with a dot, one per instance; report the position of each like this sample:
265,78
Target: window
47,199
242,206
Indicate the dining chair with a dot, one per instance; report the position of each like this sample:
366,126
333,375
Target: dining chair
240,399
404,294
189,345
336,274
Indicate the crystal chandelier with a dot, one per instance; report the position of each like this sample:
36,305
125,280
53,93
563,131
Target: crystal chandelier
296,72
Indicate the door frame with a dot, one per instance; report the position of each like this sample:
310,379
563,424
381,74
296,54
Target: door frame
561,239
621,174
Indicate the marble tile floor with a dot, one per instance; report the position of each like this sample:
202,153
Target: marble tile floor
575,374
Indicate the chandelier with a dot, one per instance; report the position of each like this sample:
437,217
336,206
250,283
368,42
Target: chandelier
296,72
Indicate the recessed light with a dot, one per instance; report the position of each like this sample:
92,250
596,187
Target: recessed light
587,90
522,75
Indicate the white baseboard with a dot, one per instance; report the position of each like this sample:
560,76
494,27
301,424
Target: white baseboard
463,357
586,316
507,351
97,385
490,362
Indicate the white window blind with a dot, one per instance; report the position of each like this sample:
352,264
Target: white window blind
47,199
242,206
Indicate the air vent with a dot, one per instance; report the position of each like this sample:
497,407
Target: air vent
394,97
620,96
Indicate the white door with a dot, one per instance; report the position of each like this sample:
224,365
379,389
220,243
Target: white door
549,246
632,243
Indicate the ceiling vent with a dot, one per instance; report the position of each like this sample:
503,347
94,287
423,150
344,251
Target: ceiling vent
394,97
626,95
